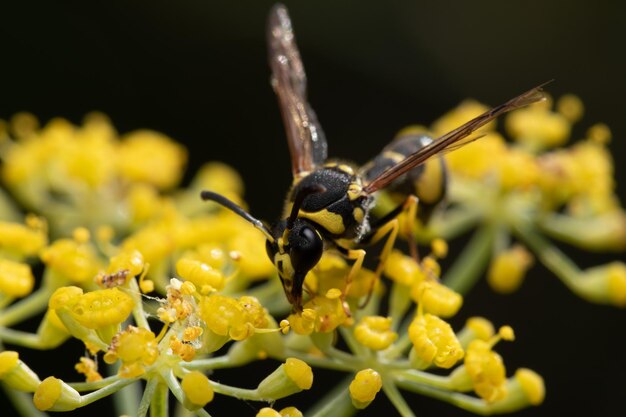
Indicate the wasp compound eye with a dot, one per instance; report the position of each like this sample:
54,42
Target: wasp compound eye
306,248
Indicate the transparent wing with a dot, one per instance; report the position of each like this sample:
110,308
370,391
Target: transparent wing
453,138
307,144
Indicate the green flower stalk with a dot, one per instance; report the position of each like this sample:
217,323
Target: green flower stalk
173,291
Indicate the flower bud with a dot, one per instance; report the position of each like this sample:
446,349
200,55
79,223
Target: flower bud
364,387
289,378
16,374
198,390
55,395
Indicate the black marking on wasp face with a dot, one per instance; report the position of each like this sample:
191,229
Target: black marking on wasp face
328,204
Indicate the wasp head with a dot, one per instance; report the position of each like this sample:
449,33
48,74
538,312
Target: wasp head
295,251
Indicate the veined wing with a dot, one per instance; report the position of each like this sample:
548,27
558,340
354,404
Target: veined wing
453,138
307,144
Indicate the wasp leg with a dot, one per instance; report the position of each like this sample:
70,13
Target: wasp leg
389,225
356,255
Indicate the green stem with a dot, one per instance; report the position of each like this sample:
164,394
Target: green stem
549,255
469,266
19,338
322,362
396,398
146,399
466,402
336,403
126,401
239,393
138,313
420,377
159,404
451,223
217,362
27,307
104,392
91,386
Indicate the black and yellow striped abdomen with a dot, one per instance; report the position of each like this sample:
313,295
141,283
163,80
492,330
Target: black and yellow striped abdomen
427,181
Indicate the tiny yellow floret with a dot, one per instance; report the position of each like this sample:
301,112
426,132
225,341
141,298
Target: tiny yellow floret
16,278
299,372
508,269
267,412
434,342
532,384
197,388
364,387
375,332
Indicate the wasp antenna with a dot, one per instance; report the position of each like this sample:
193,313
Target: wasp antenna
223,201
297,203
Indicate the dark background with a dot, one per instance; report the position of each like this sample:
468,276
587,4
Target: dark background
197,71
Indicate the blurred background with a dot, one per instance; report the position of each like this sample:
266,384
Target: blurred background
197,71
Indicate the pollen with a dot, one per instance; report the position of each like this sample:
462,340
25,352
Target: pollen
375,332
185,350
89,368
136,348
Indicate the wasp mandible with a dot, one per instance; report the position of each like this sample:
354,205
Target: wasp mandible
328,205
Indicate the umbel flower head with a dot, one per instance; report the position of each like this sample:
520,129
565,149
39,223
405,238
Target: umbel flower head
175,292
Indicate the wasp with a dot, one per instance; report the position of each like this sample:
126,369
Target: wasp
328,205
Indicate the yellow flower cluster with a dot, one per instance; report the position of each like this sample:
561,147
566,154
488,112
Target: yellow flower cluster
171,289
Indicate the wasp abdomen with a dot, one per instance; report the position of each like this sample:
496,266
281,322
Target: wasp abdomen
427,181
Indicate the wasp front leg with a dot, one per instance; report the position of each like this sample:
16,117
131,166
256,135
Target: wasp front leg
388,227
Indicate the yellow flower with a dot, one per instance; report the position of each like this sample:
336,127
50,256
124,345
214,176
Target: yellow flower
55,395
102,308
484,368
364,387
437,299
375,332
72,260
16,374
403,269
136,348
434,342
151,157
198,390
292,376
16,278
200,274
538,127
23,240
508,268
227,316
